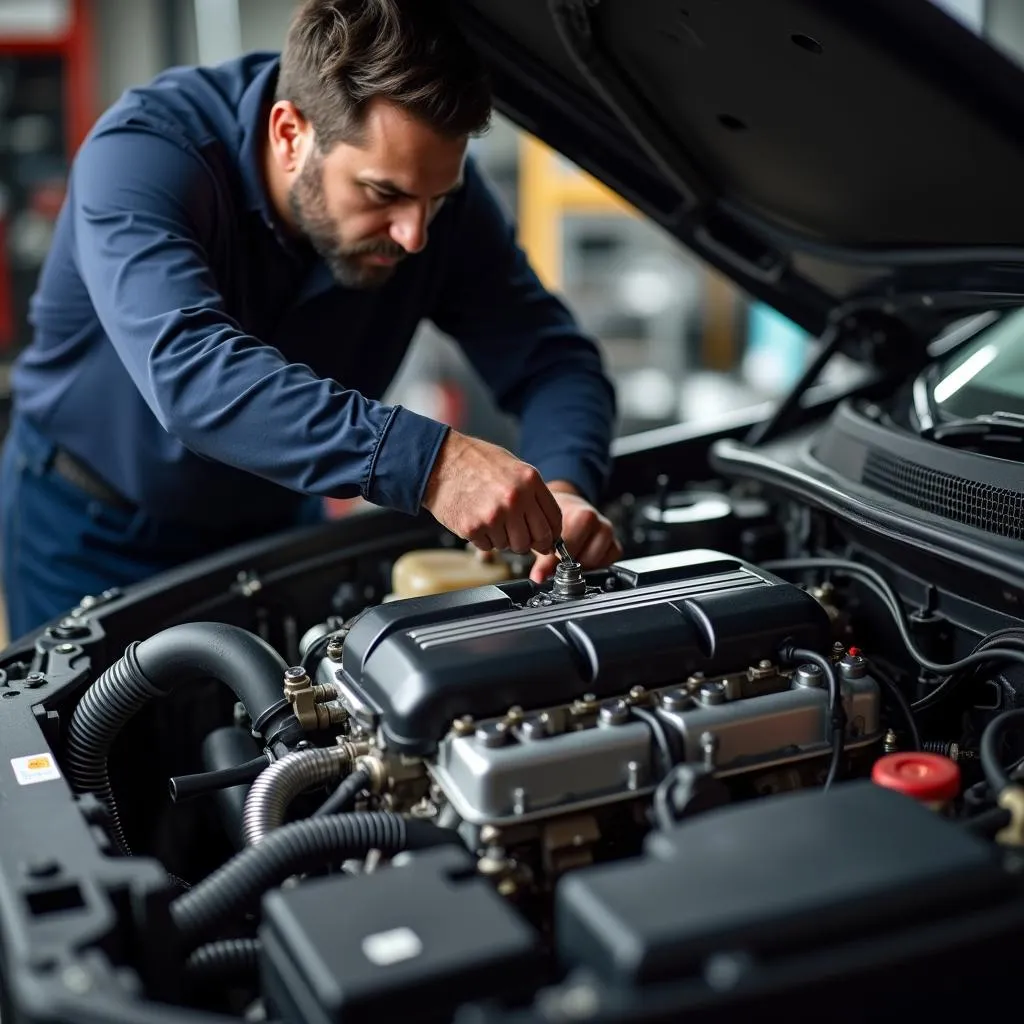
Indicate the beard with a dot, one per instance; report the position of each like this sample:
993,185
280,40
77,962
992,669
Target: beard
347,263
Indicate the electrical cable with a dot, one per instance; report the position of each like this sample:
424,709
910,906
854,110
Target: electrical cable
837,713
661,740
901,701
345,793
878,585
991,747
317,649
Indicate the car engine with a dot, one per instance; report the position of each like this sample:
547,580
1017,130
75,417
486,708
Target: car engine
550,725
462,796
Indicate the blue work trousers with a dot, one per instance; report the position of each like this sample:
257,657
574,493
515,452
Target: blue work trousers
60,543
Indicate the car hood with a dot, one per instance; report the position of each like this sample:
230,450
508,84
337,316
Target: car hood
827,155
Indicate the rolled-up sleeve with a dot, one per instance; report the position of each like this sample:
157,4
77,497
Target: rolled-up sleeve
526,345
141,235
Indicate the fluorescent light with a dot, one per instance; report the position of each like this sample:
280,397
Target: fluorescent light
965,372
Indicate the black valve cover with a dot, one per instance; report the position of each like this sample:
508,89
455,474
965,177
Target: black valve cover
415,665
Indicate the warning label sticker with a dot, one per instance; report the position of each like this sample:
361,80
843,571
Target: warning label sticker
35,768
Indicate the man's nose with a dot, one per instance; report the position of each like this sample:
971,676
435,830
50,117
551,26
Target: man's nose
409,230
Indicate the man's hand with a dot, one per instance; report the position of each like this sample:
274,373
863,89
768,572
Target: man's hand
587,534
485,495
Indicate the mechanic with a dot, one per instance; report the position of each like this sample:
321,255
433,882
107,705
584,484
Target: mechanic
240,264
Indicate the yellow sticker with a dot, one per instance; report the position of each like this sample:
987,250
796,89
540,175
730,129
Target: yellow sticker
35,768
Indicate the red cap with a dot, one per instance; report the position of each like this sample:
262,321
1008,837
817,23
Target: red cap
926,777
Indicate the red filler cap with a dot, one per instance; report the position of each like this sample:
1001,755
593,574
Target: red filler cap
927,777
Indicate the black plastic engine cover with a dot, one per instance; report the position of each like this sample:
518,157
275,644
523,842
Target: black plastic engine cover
773,877
417,664
381,947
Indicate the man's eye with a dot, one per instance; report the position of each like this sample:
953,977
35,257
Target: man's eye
380,197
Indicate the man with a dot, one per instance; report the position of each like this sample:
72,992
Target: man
236,274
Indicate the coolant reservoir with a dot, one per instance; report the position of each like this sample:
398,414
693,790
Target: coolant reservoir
419,573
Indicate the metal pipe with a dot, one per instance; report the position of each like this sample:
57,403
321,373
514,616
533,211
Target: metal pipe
278,785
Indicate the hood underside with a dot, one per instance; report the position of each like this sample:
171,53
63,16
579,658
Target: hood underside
826,155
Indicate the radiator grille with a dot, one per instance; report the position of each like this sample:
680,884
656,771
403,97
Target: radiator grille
997,510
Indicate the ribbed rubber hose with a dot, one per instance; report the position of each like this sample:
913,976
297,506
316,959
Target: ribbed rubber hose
223,961
152,668
237,886
278,785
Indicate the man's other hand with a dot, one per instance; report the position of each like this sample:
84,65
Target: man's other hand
588,535
485,495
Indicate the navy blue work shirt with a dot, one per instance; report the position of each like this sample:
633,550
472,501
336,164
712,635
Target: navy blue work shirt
212,370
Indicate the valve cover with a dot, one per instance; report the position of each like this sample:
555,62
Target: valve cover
411,667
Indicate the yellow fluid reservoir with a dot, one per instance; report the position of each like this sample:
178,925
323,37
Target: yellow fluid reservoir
418,573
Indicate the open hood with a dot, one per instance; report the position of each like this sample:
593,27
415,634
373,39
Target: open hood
827,155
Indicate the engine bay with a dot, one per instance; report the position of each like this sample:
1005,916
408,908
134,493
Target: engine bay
391,777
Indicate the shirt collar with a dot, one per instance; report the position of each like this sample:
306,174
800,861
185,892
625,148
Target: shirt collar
254,128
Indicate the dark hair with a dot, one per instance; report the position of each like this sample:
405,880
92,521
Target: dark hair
340,54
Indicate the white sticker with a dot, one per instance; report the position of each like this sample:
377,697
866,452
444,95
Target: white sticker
392,947
35,768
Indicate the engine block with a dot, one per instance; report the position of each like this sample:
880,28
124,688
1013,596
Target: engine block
522,712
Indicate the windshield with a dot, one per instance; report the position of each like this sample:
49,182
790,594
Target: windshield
986,376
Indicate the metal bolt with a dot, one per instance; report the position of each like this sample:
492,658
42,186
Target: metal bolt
492,734
534,728
808,675
491,866
64,648
514,714
614,712
712,693
88,602
489,835
584,704
335,648
508,887
519,800
324,692
463,726
853,666
838,649
34,680
676,700
637,694
709,745
764,663
568,581
632,775
889,745
295,675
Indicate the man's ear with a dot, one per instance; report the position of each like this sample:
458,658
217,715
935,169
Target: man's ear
290,135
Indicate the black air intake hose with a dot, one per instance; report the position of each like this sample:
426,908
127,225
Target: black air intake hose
237,886
220,963
153,668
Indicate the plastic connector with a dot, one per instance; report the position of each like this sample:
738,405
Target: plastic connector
1012,799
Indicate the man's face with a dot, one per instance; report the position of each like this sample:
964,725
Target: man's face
364,208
